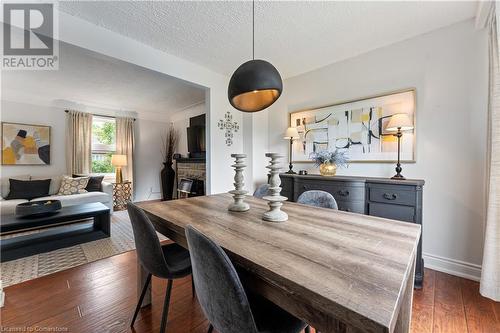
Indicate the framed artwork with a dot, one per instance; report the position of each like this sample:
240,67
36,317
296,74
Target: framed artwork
25,144
357,126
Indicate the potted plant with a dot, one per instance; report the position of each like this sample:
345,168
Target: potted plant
329,161
167,174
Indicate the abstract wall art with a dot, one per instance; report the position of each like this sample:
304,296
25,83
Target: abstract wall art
24,144
357,126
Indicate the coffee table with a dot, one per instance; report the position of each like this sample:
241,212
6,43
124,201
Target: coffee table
69,226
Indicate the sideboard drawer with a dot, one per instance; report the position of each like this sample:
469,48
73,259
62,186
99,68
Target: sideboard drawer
341,191
352,206
395,212
390,194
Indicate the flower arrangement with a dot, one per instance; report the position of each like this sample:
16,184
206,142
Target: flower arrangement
337,157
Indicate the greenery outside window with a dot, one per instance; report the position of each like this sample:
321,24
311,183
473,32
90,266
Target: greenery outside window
103,144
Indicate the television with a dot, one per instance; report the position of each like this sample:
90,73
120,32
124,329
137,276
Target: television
196,137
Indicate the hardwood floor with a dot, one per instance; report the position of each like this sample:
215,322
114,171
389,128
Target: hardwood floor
100,297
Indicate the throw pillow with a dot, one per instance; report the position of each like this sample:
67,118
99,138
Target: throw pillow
71,185
95,183
28,189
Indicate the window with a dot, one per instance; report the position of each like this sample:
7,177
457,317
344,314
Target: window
103,144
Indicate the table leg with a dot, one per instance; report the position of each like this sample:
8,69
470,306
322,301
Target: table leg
103,223
404,317
142,275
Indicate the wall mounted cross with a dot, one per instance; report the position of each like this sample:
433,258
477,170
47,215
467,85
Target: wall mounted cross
229,126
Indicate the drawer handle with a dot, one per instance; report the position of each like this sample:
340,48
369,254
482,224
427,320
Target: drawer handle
390,196
343,193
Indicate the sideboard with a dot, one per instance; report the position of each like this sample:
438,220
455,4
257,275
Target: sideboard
382,197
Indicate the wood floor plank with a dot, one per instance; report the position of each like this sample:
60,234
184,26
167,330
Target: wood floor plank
479,311
449,315
423,305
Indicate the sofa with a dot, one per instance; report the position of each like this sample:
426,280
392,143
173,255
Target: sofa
8,207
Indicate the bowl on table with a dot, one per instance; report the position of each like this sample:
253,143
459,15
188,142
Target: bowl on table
37,208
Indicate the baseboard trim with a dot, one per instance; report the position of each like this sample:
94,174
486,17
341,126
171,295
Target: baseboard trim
452,266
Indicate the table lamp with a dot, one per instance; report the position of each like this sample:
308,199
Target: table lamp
118,161
399,123
291,134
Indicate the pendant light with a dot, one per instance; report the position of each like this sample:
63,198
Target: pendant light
256,84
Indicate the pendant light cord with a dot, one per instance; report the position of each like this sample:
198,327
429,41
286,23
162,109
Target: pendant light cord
253,29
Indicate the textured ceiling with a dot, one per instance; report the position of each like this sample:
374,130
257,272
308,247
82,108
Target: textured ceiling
295,36
92,79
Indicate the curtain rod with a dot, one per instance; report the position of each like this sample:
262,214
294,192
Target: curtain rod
100,115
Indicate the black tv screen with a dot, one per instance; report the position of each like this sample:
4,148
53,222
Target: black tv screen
196,140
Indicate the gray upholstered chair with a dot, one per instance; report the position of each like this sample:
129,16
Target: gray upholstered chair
226,304
261,191
170,261
318,199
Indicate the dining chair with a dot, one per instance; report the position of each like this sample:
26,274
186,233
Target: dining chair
170,261
226,304
261,191
318,199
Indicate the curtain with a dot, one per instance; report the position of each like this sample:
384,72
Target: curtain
78,142
125,145
490,275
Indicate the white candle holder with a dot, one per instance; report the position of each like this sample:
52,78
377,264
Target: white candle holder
239,205
274,214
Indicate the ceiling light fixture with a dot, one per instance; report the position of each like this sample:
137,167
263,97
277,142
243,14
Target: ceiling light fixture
256,84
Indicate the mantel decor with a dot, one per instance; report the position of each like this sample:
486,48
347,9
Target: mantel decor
274,214
167,174
239,205
358,126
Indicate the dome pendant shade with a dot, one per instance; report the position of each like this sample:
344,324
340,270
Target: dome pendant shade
254,86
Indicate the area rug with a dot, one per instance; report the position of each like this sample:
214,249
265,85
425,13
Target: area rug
28,268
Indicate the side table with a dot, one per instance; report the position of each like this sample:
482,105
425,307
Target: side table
122,193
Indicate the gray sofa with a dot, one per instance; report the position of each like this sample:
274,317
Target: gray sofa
8,207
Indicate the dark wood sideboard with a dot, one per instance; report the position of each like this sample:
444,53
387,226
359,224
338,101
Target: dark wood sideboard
382,197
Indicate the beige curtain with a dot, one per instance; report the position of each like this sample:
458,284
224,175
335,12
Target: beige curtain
125,145
490,275
78,142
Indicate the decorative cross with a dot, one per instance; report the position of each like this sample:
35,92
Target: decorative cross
230,126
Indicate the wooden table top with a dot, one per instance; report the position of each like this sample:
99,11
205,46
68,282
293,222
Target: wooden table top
353,267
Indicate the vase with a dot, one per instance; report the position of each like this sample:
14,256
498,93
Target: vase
327,169
167,175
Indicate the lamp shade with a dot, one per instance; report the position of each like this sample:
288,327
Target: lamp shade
254,86
291,133
119,160
399,121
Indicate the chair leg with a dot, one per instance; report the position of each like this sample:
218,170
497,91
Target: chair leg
166,303
143,293
193,290
210,328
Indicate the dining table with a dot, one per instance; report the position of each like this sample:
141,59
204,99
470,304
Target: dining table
337,271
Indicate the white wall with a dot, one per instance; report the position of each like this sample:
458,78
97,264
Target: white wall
148,160
180,121
448,68
83,34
